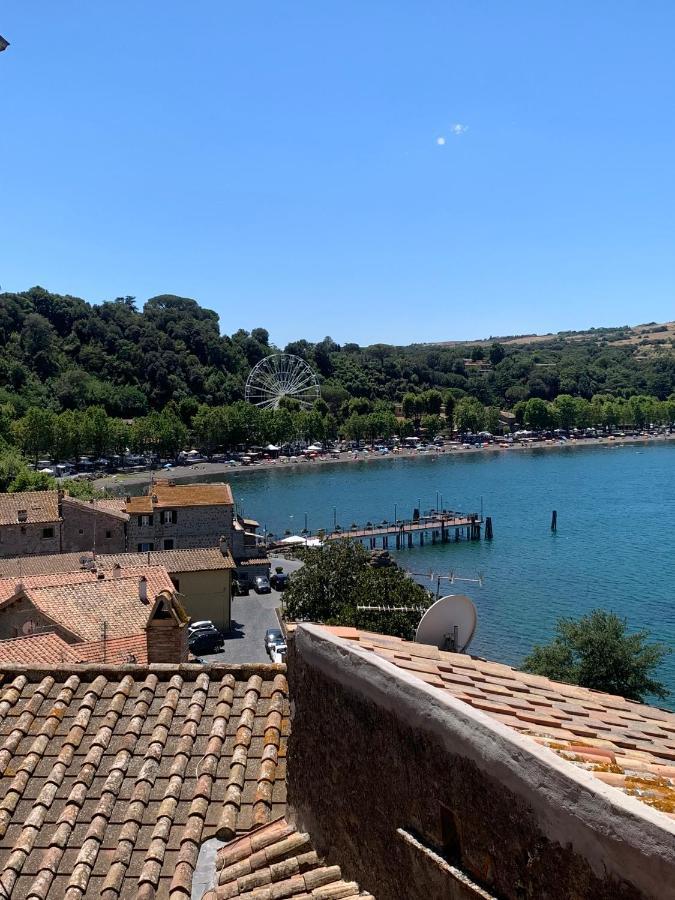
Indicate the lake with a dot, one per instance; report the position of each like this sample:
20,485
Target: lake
614,547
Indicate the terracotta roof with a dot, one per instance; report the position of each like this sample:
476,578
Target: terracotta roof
80,602
39,506
166,495
46,564
625,744
114,508
195,560
38,649
114,778
278,861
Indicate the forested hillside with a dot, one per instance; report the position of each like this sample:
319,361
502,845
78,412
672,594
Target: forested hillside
62,353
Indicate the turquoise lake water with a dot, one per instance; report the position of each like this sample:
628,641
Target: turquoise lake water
614,548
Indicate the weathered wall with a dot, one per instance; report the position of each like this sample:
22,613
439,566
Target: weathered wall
198,526
167,642
373,750
28,540
21,617
85,527
206,595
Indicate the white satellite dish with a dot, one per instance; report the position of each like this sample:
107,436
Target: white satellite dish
448,624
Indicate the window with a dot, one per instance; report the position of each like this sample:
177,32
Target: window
168,543
47,533
108,535
81,531
145,520
144,548
169,517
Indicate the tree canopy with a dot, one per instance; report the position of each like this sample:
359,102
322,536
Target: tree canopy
337,578
597,651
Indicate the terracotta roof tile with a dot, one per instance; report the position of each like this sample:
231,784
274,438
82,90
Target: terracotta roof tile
277,861
113,508
166,495
80,601
37,649
38,506
599,732
112,778
189,560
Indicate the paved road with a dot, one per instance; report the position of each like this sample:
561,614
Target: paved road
251,617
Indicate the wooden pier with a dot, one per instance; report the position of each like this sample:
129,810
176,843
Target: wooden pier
435,529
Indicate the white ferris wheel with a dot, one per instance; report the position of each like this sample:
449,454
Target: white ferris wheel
282,375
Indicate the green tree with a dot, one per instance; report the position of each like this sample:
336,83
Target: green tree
469,415
491,423
596,651
567,410
432,426
337,578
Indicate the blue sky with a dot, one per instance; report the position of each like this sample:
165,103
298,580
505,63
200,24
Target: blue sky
284,163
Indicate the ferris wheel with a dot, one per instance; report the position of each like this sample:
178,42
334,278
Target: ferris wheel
282,375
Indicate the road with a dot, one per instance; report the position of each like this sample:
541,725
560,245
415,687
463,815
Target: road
251,617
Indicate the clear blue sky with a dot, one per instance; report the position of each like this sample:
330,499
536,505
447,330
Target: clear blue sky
281,163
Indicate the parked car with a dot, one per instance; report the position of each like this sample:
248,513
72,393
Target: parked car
279,581
261,584
278,653
202,625
205,640
273,636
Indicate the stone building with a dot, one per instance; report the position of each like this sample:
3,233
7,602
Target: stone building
40,522
130,614
30,523
179,516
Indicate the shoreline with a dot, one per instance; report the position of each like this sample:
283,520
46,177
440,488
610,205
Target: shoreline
194,472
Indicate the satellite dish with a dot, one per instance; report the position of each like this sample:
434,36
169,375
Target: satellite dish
448,624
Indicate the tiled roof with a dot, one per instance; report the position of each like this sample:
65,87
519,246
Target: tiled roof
166,495
195,560
278,861
37,650
46,564
39,506
625,744
80,601
114,508
114,778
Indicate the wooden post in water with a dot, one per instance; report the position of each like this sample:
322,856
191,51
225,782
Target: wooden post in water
488,528
554,520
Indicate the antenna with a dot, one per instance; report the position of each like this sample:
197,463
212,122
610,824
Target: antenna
448,624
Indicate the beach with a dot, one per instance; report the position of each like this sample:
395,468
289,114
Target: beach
299,464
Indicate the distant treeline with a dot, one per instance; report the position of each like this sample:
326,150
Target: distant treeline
62,353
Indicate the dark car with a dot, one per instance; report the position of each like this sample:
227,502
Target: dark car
206,640
279,581
261,584
273,636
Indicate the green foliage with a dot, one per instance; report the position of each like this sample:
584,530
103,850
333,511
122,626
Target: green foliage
15,476
596,651
336,578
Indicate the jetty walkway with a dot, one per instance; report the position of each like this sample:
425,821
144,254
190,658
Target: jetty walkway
436,528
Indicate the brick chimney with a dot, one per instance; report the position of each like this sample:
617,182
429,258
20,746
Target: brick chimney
143,589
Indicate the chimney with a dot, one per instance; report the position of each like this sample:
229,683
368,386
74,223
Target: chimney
143,589
18,587
100,576
117,571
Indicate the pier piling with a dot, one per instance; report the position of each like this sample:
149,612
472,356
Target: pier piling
554,520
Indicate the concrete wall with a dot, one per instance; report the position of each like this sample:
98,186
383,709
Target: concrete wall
85,527
418,795
28,540
206,595
197,526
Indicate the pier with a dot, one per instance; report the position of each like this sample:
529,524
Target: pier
437,528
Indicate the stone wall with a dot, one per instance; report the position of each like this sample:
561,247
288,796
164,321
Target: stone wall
418,795
85,527
21,618
196,526
29,539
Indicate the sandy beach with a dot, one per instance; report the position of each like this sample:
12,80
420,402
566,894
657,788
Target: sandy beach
193,472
